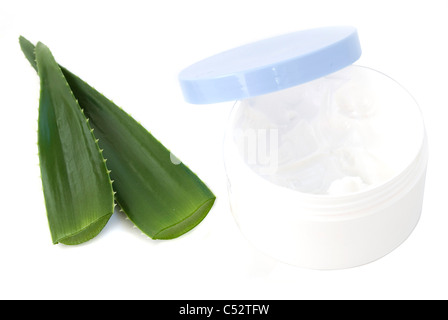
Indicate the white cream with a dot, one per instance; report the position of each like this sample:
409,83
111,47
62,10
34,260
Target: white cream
340,134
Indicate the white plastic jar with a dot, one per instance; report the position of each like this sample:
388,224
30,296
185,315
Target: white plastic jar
325,160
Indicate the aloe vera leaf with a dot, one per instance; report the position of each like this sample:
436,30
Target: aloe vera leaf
77,188
28,50
163,199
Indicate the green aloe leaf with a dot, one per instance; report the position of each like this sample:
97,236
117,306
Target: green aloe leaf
162,198
77,188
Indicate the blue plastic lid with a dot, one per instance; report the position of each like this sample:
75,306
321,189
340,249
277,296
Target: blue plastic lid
270,65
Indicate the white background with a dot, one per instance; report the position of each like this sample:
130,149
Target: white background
132,52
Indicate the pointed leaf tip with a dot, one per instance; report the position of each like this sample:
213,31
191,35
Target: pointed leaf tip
28,50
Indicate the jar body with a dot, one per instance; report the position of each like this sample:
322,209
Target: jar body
314,178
